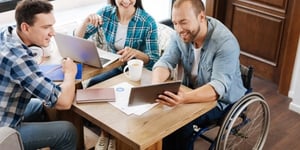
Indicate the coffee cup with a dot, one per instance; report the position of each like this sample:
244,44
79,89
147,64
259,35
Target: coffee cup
135,68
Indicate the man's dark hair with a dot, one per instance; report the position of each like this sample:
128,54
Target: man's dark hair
138,3
198,5
27,9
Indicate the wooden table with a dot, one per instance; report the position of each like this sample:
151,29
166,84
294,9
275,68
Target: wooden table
137,132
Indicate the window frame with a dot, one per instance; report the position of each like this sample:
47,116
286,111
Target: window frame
8,5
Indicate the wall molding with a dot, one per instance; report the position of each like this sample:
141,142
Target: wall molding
295,83
294,107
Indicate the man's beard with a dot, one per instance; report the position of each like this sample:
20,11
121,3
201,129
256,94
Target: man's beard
190,36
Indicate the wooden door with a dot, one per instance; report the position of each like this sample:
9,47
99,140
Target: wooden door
263,29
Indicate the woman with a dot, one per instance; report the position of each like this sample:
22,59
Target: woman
129,31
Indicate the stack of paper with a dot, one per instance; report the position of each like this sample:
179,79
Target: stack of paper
122,92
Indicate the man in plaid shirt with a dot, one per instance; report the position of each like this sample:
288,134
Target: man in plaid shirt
21,80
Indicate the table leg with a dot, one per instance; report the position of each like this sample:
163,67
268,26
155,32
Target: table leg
77,122
156,146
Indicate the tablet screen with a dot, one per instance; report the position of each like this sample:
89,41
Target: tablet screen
148,93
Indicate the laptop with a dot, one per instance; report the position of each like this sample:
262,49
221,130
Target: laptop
147,94
83,51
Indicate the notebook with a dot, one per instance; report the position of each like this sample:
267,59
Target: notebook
83,51
148,93
55,72
95,95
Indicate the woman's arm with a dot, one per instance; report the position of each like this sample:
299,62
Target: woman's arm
93,19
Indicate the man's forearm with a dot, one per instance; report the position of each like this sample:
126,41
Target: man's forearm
160,74
66,98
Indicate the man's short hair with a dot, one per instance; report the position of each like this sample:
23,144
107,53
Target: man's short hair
27,9
198,5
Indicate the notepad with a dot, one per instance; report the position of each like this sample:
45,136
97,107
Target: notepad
55,72
95,95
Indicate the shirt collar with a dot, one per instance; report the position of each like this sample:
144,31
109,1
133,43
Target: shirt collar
209,32
16,36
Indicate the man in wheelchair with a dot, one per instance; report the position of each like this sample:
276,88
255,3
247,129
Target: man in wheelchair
209,55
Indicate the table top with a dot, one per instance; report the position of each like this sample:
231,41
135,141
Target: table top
142,131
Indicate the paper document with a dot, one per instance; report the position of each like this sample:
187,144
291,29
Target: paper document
122,91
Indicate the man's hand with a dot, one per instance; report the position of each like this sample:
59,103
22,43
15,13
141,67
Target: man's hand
69,67
171,99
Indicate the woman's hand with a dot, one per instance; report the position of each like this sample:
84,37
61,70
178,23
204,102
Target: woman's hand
127,53
94,19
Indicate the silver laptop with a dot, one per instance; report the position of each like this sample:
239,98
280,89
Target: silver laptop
147,94
83,51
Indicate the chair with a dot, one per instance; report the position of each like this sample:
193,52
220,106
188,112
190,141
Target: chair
246,122
168,21
164,33
10,139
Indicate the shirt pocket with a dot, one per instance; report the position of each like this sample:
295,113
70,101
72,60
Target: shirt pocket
206,72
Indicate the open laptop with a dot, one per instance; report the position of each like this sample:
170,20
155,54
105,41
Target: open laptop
147,94
83,51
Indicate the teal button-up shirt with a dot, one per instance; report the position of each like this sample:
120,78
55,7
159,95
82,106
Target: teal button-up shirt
141,33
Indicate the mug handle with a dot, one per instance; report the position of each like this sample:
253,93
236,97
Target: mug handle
126,73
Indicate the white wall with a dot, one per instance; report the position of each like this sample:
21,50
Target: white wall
294,91
60,7
70,13
158,9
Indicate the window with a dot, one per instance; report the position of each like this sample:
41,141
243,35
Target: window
6,5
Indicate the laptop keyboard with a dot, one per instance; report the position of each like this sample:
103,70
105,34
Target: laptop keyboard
104,60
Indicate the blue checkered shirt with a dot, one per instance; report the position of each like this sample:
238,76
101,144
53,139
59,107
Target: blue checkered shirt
20,79
141,33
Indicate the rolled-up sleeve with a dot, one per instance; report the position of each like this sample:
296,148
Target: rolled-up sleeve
28,75
224,67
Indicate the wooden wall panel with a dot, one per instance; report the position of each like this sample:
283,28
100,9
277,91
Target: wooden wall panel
277,3
283,17
258,34
259,26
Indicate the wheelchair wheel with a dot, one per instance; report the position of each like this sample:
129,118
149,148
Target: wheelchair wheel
246,125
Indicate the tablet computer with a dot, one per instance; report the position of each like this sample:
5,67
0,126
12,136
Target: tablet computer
147,94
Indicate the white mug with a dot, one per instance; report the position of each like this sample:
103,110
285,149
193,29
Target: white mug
135,67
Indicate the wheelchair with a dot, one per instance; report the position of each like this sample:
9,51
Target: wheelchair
245,125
